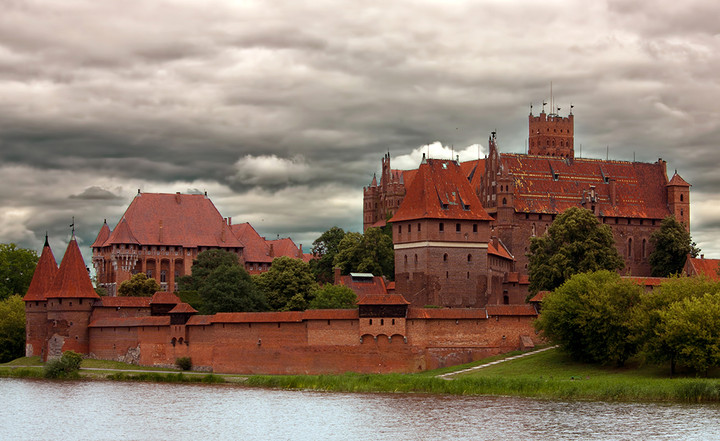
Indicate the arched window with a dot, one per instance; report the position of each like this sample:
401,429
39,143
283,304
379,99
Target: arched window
416,259
469,257
441,227
533,229
504,201
681,198
405,260
445,256
644,244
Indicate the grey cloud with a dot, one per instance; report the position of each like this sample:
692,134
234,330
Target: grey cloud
95,193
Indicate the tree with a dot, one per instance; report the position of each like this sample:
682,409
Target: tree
17,266
229,288
288,284
325,248
575,243
12,328
590,317
334,297
205,263
371,252
672,244
139,285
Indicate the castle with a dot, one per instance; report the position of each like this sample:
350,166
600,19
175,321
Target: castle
523,193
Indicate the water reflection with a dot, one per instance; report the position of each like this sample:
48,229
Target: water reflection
40,410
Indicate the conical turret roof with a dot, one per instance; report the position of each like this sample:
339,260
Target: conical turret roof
72,279
102,236
44,275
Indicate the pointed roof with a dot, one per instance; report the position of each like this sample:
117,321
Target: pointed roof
102,235
188,220
164,298
44,275
677,181
183,308
72,279
284,247
440,190
702,266
255,248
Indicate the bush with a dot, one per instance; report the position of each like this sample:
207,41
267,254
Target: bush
184,363
63,367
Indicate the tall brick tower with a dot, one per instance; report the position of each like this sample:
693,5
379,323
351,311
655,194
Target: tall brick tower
678,194
36,302
551,135
69,305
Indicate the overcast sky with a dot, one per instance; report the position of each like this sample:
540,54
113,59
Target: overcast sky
281,111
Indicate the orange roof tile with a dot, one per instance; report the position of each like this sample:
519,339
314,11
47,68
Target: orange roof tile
183,308
43,277
526,309
382,299
705,267
165,298
188,220
102,236
200,320
130,322
364,286
125,302
500,251
72,279
551,185
330,314
447,313
440,191
284,247
539,297
255,249
645,281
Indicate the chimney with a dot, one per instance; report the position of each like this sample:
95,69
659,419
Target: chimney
229,221
300,251
177,197
272,250
337,276
613,192
160,235
702,256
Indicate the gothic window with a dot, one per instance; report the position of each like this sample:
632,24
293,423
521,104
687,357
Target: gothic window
629,247
405,260
418,227
644,244
681,198
445,256
442,227
504,201
416,259
163,276
469,257
457,227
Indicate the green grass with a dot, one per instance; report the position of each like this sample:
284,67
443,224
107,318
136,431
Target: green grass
166,378
109,364
24,361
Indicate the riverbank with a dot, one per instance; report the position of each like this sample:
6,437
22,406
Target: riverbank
547,375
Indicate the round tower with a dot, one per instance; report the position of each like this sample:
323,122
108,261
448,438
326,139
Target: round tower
69,306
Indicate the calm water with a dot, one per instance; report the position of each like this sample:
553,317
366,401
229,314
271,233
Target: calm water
40,410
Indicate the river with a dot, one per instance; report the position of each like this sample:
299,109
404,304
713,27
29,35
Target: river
103,410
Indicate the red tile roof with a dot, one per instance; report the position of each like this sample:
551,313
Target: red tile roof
440,190
257,317
187,220
183,308
165,298
200,320
130,322
364,286
255,249
102,236
705,267
551,185
72,279
500,251
677,181
447,313
125,302
43,277
284,247
330,314
526,309
382,299
539,297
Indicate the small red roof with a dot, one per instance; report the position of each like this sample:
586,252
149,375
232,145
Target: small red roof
525,309
677,181
165,298
72,279
500,251
284,247
183,308
43,277
200,320
130,322
125,302
255,249
382,299
705,267
539,297
447,313
440,190
363,286
102,236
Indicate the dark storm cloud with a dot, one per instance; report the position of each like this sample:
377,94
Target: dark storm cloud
282,113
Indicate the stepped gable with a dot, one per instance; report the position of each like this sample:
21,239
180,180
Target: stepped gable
44,275
102,236
440,190
72,279
187,220
551,185
255,248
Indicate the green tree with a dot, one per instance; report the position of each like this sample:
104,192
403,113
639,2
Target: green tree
371,252
12,328
325,248
17,266
334,297
139,285
66,366
672,244
288,284
590,317
575,243
691,330
205,263
229,288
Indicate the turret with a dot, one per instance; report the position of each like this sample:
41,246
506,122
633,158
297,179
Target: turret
551,135
69,305
678,194
36,302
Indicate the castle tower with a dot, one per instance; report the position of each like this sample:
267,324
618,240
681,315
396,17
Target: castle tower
678,194
441,234
551,135
36,302
69,305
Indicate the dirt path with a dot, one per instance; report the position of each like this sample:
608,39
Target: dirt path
449,375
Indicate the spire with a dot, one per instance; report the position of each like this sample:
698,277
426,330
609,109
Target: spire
44,275
72,279
102,236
